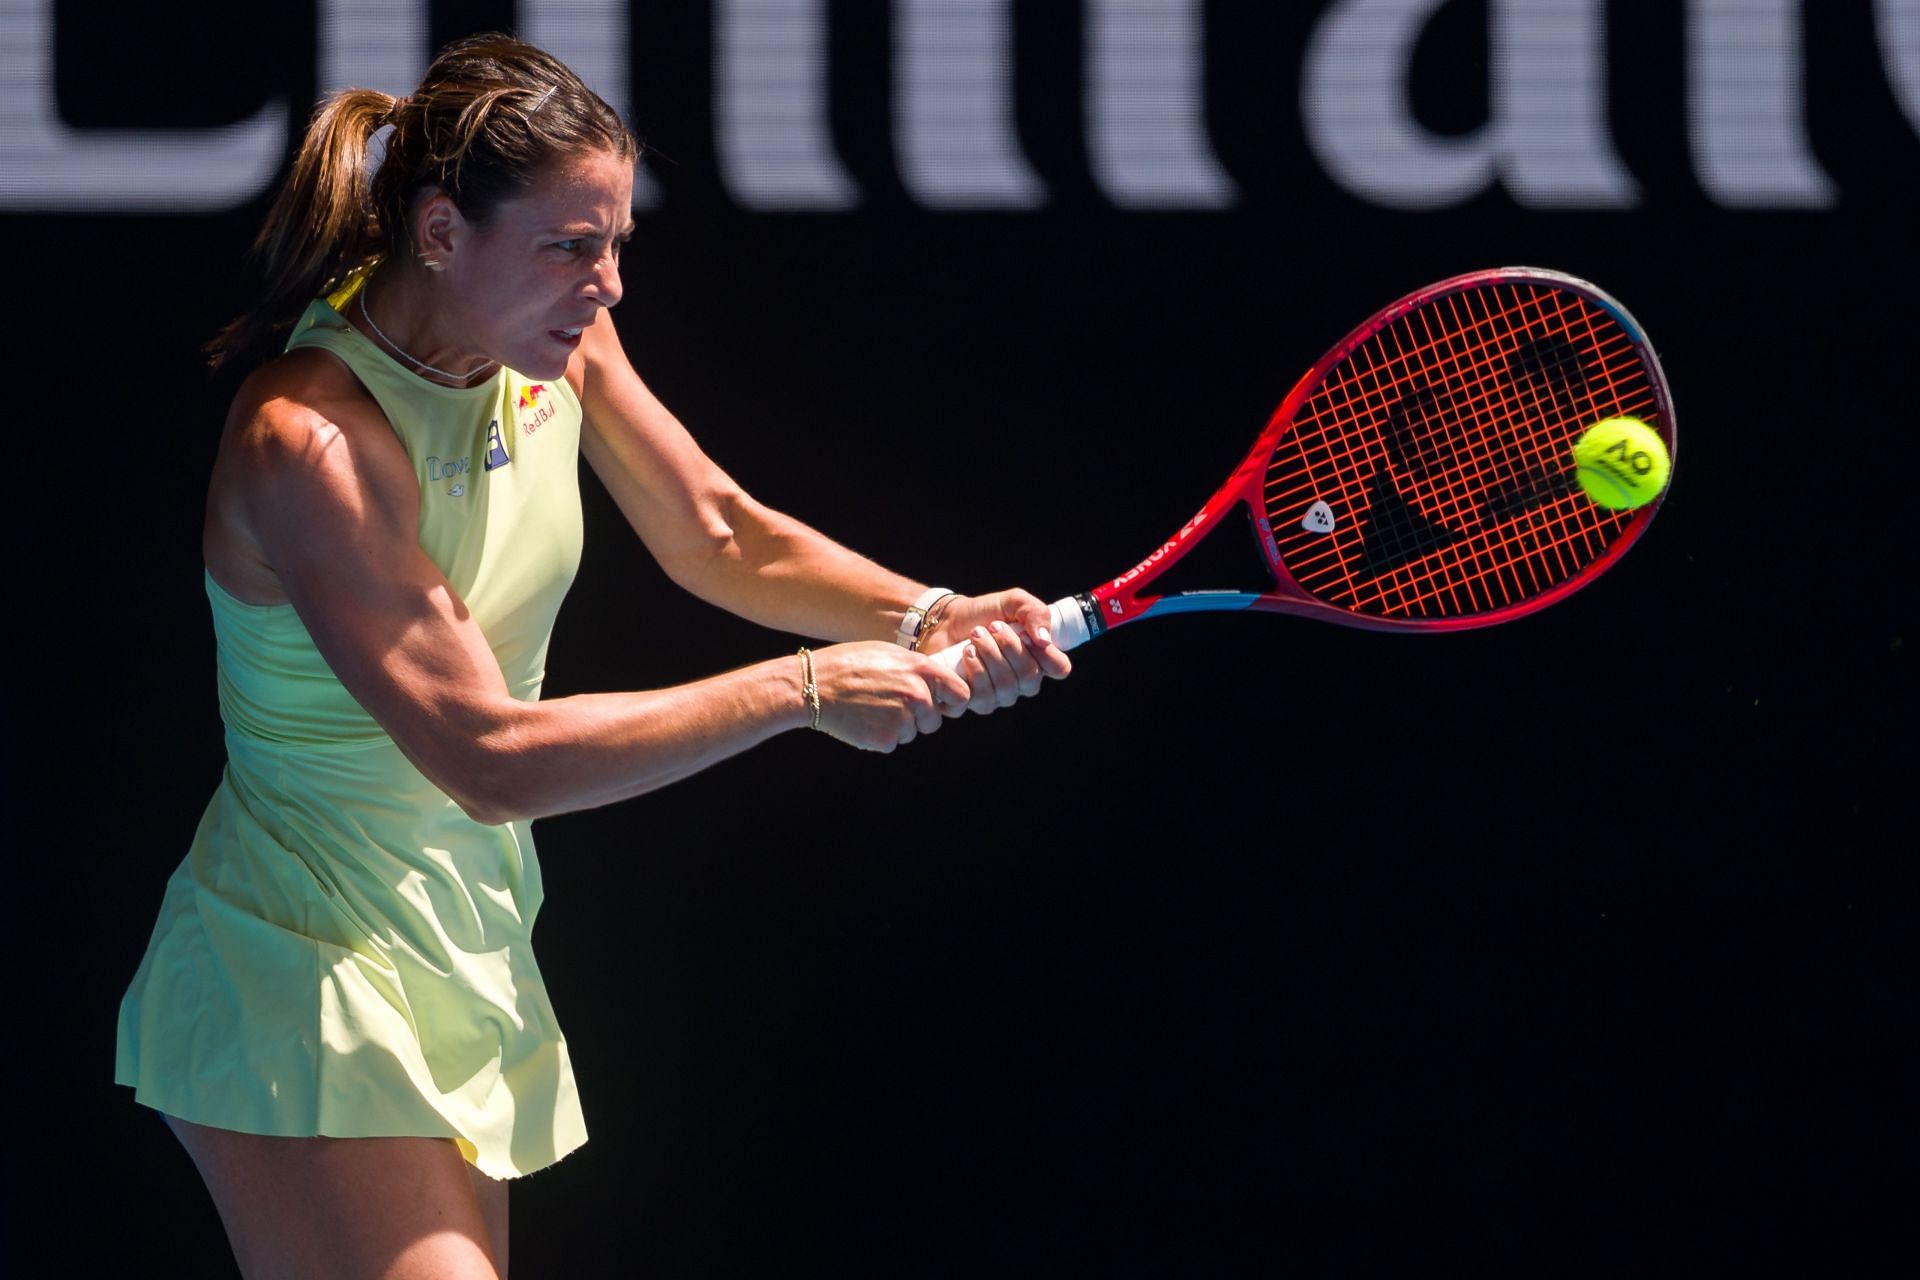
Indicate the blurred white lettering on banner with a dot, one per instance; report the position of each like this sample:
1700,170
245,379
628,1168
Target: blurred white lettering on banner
1546,137
953,106
372,44
1146,106
47,165
384,45
1546,141
1898,22
772,134
1745,90
591,37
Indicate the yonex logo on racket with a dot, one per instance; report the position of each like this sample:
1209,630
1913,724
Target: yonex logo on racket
1161,554
1319,518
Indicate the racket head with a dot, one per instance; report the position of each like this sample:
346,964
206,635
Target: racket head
1420,476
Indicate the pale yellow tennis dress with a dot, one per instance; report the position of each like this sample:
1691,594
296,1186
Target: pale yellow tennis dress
344,951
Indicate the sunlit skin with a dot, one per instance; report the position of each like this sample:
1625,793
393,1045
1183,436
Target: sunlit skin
546,261
309,468
315,503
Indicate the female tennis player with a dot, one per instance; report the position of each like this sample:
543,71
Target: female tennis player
338,1012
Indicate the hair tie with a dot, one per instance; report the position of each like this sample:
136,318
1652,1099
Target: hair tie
379,142
393,112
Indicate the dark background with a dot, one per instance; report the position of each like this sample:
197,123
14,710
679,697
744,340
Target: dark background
1258,943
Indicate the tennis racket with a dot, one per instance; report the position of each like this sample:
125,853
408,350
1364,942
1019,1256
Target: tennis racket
1420,476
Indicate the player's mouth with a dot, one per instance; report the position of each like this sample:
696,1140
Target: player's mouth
566,337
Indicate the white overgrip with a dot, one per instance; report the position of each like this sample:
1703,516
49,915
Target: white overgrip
1065,620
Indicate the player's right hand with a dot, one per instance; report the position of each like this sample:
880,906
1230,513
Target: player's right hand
877,696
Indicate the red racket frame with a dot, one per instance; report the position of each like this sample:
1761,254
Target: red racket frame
1128,598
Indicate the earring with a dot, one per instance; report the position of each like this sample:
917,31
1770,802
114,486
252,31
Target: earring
431,264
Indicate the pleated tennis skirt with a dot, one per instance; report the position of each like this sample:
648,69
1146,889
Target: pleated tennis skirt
343,952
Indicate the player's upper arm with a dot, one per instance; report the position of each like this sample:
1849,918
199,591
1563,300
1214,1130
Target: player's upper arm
675,497
332,499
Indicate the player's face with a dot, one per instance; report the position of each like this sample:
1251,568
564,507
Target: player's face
546,264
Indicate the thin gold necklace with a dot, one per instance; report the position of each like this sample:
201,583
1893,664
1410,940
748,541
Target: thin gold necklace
462,378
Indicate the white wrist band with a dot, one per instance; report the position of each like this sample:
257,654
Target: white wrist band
917,616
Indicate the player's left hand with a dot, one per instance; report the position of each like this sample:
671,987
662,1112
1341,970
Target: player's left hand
1010,650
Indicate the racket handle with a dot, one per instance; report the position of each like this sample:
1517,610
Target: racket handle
1066,619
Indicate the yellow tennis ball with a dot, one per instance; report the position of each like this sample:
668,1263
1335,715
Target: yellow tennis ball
1622,463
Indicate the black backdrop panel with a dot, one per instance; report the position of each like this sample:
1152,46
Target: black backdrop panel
1256,943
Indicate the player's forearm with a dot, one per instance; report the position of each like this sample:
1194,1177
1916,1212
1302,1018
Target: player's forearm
778,572
531,760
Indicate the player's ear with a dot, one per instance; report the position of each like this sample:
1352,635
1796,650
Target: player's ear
439,229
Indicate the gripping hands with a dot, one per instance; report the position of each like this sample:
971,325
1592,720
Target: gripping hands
988,652
878,696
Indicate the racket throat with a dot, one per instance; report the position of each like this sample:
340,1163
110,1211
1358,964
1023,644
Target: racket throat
1227,560
1226,567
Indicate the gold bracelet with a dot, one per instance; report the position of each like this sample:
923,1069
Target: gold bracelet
808,689
935,612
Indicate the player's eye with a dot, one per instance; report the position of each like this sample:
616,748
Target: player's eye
573,245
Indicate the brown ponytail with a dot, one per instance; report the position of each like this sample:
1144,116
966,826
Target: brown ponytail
320,226
490,114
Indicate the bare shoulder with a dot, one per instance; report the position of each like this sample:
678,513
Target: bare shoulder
304,419
304,447
298,401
